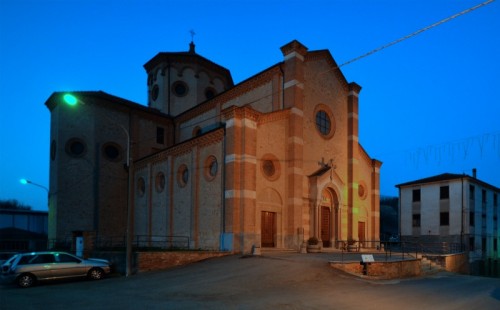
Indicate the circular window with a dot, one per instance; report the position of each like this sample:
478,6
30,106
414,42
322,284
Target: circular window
160,182
196,131
53,149
141,187
183,175
112,151
180,89
210,93
325,123
76,147
270,167
362,190
211,168
154,92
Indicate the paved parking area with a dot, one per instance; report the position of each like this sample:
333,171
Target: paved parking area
271,281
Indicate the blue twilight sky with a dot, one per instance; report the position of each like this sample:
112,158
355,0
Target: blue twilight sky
429,104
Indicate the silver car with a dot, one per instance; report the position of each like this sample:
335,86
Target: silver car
27,268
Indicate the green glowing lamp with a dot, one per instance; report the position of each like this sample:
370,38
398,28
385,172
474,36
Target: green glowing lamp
23,181
70,99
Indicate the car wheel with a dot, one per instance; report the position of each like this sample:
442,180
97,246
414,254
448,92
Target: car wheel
26,280
96,274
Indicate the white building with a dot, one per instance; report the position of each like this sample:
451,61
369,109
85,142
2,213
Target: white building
452,208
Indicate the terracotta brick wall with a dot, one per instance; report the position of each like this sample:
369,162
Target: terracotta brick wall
148,261
384,270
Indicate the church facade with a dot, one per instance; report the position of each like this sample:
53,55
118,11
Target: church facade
268,162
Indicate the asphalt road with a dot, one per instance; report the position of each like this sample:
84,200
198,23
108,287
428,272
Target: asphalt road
270,281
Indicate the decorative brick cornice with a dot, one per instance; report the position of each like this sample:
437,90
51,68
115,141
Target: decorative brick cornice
241,113
274,116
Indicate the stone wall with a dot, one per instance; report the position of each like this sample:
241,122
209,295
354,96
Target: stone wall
148,261
382,270
452,262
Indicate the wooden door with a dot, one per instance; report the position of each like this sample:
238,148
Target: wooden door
361,233
268,229
325,226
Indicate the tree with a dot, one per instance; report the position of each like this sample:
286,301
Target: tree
13,204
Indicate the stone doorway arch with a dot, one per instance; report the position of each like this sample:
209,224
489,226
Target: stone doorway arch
328,218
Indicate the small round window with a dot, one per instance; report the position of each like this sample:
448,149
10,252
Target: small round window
196,131
141,187
154,92
325,123
362,190
180,89
210,93
160,182
76,147
112,151
211,168
270,167
183,175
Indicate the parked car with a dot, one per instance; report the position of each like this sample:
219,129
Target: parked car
26,269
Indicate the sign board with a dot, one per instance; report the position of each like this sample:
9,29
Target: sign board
367,258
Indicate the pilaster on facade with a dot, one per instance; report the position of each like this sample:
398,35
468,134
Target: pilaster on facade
352,155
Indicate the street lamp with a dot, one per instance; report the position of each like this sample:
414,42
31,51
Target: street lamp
26,181
72,101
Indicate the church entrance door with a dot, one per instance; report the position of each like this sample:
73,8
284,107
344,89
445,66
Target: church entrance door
325,226
268,229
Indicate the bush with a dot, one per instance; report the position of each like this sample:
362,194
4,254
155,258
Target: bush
312,241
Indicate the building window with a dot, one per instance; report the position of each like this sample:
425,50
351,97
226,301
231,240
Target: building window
495,246
472,192
180,89
444,192
416,220
483,196
495,199
416,195
210,93
362,192
323,123
154,92
270,167
472,219
160,182
444,219
183,175
471,244
112,151
197,131
141,187
211,168
76,147
160,135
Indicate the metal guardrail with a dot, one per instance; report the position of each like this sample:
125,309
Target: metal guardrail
392,250
139,242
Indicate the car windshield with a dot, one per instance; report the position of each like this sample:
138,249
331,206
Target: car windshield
11,259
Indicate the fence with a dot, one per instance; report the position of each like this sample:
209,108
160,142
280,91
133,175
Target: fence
114,243
397,250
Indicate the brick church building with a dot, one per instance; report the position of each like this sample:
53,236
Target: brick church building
268,162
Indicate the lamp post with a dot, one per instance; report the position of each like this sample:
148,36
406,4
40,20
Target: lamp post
26,181
72,101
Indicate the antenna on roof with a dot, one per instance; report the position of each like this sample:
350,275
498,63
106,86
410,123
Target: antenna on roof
191,45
